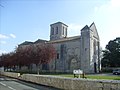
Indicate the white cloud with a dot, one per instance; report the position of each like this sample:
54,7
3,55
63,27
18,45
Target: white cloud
107,19
3,36
115,3
74,29
12,35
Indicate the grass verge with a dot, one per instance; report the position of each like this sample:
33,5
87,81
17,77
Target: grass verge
92,76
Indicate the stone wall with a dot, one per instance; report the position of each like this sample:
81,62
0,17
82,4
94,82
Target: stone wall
70,83
69,56
10,74
73,83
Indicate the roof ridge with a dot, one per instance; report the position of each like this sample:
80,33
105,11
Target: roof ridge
91,24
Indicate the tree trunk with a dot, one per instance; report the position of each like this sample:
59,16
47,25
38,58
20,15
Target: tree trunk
19,68
38,69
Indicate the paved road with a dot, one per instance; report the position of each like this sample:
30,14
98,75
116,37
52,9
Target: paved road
14,84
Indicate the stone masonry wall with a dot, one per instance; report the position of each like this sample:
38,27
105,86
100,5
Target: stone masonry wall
69,83
10,74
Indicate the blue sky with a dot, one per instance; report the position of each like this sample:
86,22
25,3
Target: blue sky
29,20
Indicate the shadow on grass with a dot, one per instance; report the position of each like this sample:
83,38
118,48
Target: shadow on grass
116,79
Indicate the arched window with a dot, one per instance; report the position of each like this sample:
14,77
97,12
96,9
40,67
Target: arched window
66,31
63,31
56,30
94,45
52,31
57,55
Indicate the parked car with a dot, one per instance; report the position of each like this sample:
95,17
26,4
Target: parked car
116,72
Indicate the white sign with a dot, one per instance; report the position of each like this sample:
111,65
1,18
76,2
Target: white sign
78,71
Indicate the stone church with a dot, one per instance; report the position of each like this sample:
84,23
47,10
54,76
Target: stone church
77,52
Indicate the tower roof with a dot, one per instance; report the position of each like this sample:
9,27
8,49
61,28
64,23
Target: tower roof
85,28
59,23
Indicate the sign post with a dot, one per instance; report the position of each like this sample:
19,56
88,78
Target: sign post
77,72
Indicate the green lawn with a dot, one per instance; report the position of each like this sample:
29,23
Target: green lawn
103,77
92,76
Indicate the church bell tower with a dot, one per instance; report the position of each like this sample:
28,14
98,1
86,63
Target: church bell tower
58,31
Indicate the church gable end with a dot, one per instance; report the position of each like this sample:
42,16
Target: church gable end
93,28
